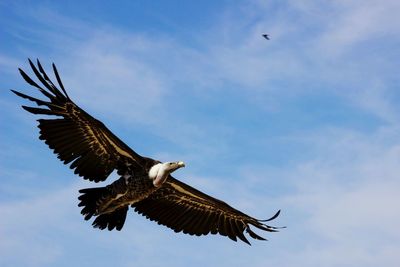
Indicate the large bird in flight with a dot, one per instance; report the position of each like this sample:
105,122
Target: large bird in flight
145,184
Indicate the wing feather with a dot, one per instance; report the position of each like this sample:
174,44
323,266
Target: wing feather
183,208
230,228
203,223
75,136
220,225
239,226
59,80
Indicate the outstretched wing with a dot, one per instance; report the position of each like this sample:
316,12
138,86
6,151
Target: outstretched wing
183,208
75,136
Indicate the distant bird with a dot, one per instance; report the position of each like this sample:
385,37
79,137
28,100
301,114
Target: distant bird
266,36
145,184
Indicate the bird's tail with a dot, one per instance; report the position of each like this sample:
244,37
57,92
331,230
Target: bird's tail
90,199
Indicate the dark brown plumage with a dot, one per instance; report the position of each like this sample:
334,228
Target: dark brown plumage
93,152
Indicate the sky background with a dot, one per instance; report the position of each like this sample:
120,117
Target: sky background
307,122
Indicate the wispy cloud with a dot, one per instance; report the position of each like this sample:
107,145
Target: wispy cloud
225,103
348,196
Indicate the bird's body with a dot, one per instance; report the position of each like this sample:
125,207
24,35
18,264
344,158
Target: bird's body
125,191
115,198
110,203
266,36
145,184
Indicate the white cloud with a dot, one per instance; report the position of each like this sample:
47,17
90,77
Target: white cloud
107,60
348,195
359,21
27,227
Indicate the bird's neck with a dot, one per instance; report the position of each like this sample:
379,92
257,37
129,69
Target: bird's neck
158,173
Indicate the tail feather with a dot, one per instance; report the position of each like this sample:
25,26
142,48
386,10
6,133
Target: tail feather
115,219
90,200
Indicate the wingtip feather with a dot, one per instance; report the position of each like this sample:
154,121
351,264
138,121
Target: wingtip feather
59,80
273,217
254,235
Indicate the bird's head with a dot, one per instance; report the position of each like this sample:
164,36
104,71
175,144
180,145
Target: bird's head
159,172
173,166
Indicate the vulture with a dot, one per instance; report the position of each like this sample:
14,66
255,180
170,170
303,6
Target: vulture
145,184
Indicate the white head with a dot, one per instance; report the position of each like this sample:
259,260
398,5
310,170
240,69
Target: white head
159,172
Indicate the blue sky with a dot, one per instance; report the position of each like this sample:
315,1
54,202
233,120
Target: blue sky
307,122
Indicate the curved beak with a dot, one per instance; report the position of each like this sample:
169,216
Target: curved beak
180,164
